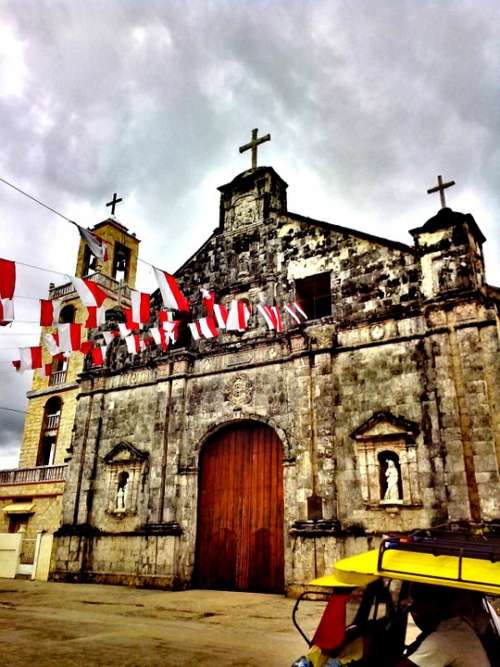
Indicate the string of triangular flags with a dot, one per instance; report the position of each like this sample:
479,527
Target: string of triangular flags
68,337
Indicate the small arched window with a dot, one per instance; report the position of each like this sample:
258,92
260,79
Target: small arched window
47,447
67,315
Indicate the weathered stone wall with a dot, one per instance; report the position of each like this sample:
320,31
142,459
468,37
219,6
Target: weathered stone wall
132,560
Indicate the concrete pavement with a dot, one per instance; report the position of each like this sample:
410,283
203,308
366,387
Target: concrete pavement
57,625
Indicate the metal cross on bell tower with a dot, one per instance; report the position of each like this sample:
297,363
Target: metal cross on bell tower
441,187
114,202
253,146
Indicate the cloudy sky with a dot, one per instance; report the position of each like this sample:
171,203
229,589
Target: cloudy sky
366,102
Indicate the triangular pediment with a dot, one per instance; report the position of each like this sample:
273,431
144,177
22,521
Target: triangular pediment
385,425
124,452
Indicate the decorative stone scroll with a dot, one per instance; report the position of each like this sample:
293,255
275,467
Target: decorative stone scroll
127,466
387,461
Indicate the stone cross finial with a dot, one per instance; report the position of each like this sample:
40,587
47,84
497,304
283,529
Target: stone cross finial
253,145
113,203
441,187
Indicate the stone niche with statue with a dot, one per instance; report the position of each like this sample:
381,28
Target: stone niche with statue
126,466
387,461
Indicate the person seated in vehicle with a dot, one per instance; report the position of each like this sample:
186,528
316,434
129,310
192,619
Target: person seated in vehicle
448,638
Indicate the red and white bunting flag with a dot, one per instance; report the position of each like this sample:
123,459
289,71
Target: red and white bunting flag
220,314
203,328
46,370
17,365
195,331
95,317
95,243
165,316
159,337
172,330
52,343
266,315
141,306
7,278
239,314
86,347
208,299
108,336
49,312
70,337
272,316
296,312
130,323
170,292
208,327
30,357
90,293
134,344
123,329
279,320
99,355
6,311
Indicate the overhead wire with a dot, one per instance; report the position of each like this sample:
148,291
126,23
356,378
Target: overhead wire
61,215
22,412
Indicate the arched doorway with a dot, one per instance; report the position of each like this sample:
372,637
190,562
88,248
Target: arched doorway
240,510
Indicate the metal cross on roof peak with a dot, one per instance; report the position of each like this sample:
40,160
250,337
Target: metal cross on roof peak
441,187
253,145
113,203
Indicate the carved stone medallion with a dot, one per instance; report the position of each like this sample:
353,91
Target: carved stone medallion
241,391
377,332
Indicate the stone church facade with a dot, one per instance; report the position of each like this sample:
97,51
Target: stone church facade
254,460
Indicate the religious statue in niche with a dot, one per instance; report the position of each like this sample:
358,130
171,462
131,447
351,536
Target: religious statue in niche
387,457
127,469
392,482
121,492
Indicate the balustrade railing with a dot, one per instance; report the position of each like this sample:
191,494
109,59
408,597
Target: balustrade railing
52,422
38,474
100,279
59,377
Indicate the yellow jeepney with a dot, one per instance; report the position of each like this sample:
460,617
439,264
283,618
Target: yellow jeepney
365,621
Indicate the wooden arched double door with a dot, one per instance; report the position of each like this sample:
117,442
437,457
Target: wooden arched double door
240,510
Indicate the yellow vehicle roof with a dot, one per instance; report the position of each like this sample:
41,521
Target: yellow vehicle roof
477,574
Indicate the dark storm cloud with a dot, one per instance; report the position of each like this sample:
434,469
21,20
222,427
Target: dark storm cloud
366,103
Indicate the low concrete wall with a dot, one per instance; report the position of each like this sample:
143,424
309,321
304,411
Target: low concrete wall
131,560
10,548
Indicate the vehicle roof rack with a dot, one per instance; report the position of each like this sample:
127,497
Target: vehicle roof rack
480,541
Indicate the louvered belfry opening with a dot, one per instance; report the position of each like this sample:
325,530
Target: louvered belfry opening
240,510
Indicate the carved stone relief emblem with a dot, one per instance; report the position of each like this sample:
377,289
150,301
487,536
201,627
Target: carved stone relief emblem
241,391
244,212
377,332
